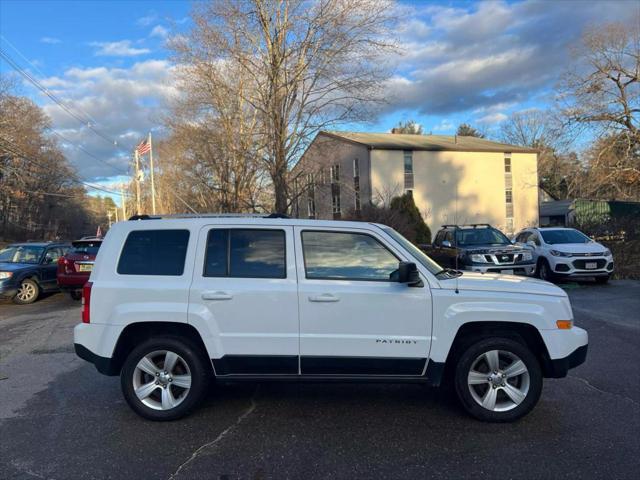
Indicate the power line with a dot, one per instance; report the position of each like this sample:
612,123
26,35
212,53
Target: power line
16,151
85,121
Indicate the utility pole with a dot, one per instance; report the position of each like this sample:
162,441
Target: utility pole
137,180
124,204
109,217
153,185
115,210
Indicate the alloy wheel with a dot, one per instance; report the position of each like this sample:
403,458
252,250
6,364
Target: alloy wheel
162,380
498,380
26,292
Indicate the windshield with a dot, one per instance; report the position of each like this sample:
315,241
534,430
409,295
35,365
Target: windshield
553,237
480,236
21,254
419,255
88,248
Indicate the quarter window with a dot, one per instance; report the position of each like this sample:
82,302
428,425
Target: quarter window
154,252
346,256
245,253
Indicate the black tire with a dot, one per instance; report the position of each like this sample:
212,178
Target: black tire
463,390
198,365
602,280
545,272
31,286
76,294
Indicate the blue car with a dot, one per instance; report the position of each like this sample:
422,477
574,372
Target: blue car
28,269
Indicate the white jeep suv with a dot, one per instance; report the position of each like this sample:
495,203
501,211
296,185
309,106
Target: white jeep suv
567,253
173,303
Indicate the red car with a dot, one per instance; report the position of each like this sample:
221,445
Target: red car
75,267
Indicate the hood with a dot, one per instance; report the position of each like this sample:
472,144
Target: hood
14,267
494,282
591,247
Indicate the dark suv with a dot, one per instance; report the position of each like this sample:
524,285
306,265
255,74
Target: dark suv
27,269
479,248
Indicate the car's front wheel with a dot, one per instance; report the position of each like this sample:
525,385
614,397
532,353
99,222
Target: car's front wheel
164,378
28,292
498,380
544,271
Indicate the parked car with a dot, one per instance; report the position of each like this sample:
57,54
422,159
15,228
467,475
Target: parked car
567,253
28,269
479,248
75,266
175,302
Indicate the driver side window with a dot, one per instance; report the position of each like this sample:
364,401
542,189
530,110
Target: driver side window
52,255
346,256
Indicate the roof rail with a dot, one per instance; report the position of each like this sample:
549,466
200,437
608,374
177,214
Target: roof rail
474,225
208,215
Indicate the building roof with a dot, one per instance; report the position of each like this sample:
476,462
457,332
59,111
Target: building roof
455,143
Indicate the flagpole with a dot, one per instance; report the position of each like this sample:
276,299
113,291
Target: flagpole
153,185
137,180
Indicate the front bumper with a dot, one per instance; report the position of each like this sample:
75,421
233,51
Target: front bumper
575,267
558,368
7,289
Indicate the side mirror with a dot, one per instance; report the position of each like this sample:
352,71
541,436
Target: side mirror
446,244
408,273
47,260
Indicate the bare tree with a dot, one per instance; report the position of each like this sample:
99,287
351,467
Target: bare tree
601,89
309,66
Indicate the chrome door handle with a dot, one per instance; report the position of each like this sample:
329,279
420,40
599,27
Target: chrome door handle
325,297
216,296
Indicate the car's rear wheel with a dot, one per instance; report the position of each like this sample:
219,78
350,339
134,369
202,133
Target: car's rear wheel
165,378
76,294
28,292
498,380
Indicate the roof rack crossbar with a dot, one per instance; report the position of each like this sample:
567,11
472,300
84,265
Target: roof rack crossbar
474,225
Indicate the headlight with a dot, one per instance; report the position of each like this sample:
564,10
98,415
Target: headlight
4,275
478,258
526,256
607,253
556,253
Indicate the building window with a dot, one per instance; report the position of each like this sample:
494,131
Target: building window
509,195
335,204
507,164
335,173
311,206
408,169
356,168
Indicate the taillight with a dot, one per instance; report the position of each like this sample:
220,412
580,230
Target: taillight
86,302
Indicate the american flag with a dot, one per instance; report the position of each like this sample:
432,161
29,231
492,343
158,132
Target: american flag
144,147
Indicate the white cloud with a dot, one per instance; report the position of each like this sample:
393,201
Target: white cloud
444,126
159,31
123,48
147,20
477,55
492,118
50,40
125,103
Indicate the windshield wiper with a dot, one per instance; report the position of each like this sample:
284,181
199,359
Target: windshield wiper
450,271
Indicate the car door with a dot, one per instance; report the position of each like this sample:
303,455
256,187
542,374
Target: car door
244,288
49,267
353,319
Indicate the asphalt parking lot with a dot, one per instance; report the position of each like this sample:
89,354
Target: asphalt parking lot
60,419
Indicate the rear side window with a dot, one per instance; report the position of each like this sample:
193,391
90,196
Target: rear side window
245,253
154,252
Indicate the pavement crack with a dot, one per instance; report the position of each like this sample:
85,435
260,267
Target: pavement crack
593,387
222,434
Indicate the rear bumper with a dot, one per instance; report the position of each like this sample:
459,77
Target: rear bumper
72,281
104,365
559,367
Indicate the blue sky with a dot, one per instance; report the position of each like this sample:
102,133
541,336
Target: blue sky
474,62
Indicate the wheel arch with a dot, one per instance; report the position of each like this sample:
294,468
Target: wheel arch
135,333
471,332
